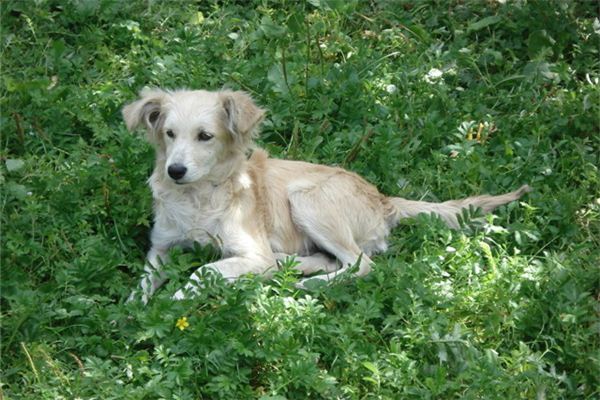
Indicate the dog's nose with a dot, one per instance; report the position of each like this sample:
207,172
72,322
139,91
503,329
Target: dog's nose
176,171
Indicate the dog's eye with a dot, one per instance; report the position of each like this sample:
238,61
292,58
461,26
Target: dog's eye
170,133
204,136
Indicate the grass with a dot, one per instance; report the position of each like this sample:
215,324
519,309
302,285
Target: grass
426,99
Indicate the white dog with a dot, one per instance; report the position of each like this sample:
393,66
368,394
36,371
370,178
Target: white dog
259,210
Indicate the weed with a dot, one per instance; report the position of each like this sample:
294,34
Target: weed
426,99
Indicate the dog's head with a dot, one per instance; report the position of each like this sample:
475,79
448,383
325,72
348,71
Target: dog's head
194,131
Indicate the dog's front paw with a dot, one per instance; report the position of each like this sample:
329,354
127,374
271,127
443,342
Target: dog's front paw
179,295
132,297
189,291
135,296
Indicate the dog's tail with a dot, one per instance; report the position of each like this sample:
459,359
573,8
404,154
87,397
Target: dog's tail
450,210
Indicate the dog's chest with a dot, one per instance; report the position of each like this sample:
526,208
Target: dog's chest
190,217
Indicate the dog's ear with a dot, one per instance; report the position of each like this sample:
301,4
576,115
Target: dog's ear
241,115
147,110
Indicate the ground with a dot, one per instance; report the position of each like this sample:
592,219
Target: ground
427,99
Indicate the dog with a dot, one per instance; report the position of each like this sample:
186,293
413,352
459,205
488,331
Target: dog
257,209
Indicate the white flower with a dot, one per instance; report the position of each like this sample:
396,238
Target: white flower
391,89
433,76
434,73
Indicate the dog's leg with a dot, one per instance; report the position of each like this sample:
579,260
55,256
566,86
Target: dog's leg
230,268
153,277
327,230
312,264
349,256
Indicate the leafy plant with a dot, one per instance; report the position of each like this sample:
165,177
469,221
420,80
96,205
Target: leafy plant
426,99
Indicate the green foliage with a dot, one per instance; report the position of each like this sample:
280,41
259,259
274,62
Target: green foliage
420,97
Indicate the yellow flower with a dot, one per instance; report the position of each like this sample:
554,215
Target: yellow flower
182,323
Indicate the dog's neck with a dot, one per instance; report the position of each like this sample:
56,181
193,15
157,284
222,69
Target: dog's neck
226,172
